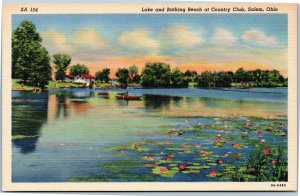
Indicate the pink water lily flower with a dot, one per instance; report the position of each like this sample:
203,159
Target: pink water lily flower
267,151
204,153
149,157
220,162
274,162
164,169
168,158
167,142
181,167
213,173
259,133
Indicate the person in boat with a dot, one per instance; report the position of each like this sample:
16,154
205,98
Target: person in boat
126,94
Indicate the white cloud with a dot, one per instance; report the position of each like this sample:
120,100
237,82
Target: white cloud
223,37
89,37
56,41
180,35
258,38
138,39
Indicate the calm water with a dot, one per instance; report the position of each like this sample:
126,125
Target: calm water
63,133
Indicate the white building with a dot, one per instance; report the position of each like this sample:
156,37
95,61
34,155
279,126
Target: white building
69,78
84,79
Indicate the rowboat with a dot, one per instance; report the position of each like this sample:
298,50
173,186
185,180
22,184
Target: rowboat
128,97
102,93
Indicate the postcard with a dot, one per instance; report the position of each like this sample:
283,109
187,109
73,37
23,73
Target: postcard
149,97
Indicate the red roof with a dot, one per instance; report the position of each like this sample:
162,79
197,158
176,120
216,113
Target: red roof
70,76
88,76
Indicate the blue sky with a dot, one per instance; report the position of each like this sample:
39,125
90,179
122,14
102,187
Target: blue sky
196,41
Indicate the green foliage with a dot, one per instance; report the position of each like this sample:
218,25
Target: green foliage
178,79
30,60
156,75
103,76
133,74
191,75
123,77
79,69
255,78
61,61
260,167
260,78
206,79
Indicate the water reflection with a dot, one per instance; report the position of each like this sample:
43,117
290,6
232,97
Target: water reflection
81,94
157,102
29,114
32,111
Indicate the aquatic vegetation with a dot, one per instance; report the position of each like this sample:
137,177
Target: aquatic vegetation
225,149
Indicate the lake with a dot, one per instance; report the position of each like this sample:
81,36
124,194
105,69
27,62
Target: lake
77,135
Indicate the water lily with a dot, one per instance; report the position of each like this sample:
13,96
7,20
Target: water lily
262,141
238,145
149,157
167,142
137,145
267,151
259,133
219,137
226,155
213,173
215,143
181,166
186,145
204,153
274,162
220,161
164,170
197,145
168,158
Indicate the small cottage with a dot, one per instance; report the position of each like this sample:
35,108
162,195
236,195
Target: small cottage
69,78
85,79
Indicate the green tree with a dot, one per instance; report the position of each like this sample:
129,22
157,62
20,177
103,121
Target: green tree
30,60
223,79
178,79
191,75
79,69
61,61
123,77
133,73
156,75
103,75
242,76
206,79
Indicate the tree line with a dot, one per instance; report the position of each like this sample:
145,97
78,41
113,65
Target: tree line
160,75
31,64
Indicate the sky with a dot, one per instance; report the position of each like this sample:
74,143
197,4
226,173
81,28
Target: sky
198,42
